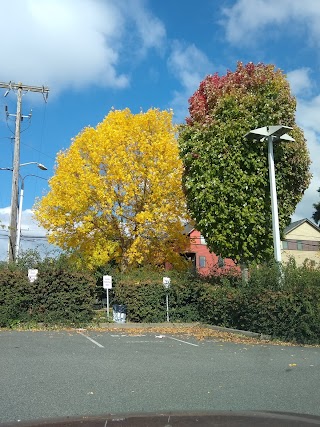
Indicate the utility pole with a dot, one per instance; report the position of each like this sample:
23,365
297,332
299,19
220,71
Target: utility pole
19,87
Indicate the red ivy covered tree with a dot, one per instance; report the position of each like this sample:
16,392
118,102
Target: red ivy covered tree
225,176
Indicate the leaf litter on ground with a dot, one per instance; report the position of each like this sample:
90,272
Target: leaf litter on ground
198,331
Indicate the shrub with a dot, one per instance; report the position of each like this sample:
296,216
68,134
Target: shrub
144,295
282,314
286,305
14,297
219,305
57,296
60,296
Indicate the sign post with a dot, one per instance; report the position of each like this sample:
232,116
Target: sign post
166,284
107,284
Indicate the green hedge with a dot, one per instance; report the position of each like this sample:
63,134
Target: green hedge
14,297
283,314
57,296
220,305
143,294
284,306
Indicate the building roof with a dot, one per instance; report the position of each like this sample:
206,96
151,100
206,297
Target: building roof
188,228
296,224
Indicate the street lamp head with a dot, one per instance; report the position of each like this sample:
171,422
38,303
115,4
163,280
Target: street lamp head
255,135
278,132
42,167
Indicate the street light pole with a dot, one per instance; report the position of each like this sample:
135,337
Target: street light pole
21,204
19,218
15,179
18,211
274,202
272,134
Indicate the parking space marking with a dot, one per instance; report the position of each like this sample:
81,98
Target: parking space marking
185,342
139,342
90,339
133,339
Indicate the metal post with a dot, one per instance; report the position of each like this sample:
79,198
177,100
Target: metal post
19,219
274,202
15,179
107,303
167,302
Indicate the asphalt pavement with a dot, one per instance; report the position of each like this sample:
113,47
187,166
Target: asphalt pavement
65,373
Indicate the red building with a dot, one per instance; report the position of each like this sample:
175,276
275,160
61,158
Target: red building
206,262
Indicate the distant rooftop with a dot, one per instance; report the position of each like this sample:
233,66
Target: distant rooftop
188,228
296,224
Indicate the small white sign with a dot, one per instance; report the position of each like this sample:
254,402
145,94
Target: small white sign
166,282
32,274
107,282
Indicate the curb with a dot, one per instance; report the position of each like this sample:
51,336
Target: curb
130,325
240,332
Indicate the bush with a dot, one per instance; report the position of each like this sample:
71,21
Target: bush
219,305
60,296
282,314
57,296
284,304
144,295
14,297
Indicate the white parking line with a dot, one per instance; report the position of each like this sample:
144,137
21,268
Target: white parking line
139,342
90,339
185,342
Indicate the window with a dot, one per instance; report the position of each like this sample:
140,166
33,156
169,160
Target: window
299,246
202,261
202,240
285,245
191,257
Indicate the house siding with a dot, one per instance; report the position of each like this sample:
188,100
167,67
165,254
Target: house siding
201,250
302,243
304,232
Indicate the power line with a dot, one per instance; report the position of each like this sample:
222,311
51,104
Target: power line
35,149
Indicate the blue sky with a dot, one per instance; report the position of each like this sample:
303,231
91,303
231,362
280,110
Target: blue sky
98,54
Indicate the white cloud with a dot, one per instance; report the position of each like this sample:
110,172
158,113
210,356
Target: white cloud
247,20
189,65
300,81
307,114
63,43
150,29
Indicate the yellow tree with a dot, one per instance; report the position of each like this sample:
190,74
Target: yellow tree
116,193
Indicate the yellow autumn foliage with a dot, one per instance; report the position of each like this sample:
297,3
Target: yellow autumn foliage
116,193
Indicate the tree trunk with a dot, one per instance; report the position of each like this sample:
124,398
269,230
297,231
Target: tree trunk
244,272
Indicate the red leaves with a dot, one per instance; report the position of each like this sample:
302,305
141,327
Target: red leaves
213,87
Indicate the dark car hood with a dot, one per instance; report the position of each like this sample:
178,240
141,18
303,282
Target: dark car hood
219,419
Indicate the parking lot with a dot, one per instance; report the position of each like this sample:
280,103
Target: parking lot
78,372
